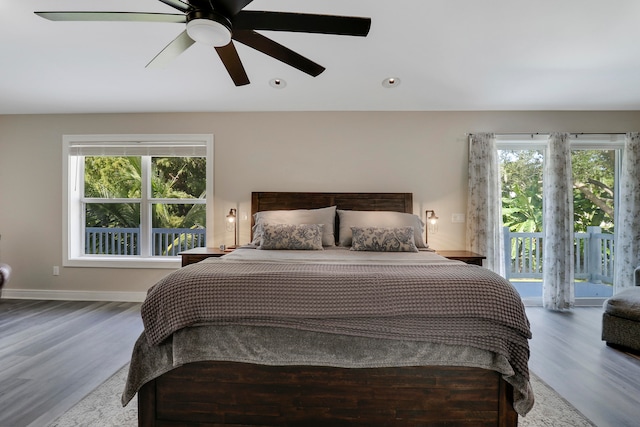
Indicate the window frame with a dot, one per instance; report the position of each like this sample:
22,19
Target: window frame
73,213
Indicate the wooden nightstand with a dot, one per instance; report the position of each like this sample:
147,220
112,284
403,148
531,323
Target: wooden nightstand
194,255
465,256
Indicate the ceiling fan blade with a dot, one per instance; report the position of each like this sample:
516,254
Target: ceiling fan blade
301,22
229,56
277,51
231,7
177,4
113,16
172,50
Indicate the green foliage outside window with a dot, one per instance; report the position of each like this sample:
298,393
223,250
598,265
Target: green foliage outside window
593,189
521,180
121,178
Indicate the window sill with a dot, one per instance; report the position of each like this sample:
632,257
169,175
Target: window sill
123,262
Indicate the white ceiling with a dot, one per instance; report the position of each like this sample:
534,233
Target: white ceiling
449,55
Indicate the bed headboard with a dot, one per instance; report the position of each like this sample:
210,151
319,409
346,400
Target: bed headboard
268,201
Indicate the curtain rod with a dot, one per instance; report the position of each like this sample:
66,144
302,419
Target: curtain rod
548,133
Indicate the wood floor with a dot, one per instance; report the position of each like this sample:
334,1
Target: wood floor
567,353
52,353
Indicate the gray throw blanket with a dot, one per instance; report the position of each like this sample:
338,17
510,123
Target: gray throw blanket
455,304
286,347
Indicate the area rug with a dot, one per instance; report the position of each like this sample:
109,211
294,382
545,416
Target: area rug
102,408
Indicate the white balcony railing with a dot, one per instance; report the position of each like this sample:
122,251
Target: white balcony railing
126,241
594,255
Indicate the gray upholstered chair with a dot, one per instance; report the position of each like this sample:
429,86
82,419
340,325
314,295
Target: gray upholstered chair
621,318
5,272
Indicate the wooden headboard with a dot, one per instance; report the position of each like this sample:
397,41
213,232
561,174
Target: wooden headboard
268,201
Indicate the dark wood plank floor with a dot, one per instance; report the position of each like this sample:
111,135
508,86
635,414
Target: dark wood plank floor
568,354
53,353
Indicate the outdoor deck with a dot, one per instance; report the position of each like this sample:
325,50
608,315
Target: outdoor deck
590,294
582,289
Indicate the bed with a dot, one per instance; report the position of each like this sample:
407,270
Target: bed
299,339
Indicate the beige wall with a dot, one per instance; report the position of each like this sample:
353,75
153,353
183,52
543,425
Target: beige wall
420,152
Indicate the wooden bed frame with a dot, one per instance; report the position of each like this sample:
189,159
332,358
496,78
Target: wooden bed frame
242,394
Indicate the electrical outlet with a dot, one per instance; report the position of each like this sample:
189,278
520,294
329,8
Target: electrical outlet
457,217
56,270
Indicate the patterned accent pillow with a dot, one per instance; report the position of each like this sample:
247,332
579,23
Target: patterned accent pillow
325,216
398,239
292,236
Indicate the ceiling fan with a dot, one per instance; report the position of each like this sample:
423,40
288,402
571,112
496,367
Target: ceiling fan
219,22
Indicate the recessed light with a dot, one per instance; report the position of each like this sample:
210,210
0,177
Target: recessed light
391,82
278,83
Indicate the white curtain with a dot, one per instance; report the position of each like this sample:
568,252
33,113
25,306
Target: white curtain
484,205
558,253
627,249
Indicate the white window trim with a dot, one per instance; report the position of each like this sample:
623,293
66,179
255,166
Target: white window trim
70,209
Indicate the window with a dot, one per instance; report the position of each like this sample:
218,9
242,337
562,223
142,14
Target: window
135,200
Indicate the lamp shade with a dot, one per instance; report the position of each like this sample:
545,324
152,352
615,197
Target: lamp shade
233,225
432,223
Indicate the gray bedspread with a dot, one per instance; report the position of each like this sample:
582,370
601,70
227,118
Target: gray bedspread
427,308
285,347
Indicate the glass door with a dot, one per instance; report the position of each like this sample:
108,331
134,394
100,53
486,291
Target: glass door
595,166
521,172
594,200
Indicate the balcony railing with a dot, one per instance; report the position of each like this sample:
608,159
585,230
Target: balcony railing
126,241
594,250
594,255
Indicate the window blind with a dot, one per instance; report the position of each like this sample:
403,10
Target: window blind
139,148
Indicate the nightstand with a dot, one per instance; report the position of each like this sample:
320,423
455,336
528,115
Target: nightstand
194,255
465,256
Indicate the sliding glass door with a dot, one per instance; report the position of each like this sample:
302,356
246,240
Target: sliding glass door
595,172
595,167
521,172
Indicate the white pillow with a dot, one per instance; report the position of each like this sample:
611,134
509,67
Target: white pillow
324,216
382,219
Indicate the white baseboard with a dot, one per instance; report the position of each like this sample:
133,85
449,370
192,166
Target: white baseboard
73,295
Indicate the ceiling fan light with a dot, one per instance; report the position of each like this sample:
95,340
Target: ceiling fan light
209,32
